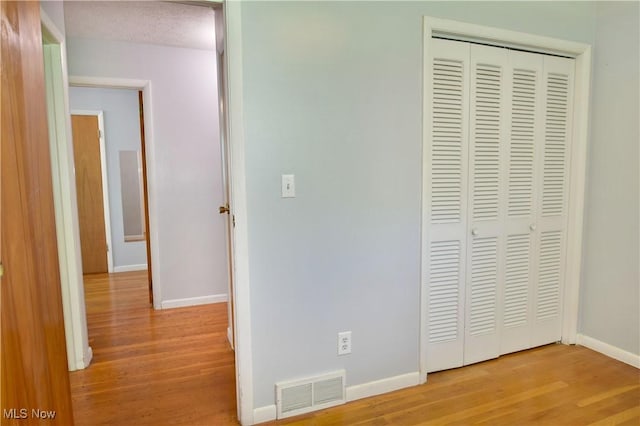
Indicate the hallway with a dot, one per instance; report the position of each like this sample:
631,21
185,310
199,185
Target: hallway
152,367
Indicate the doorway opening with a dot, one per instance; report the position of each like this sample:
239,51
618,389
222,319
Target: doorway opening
156,154
113,120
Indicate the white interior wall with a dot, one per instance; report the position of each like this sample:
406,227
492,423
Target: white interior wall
187,185
610,308
55,11
121,132
333,94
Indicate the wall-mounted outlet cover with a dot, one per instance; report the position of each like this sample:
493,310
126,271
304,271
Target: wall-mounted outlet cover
344,342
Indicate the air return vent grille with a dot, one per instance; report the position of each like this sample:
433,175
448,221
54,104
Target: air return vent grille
310,394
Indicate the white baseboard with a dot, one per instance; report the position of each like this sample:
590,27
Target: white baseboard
193,301
230,337
88,356
84,361
378,387
609,350
130,268
264,414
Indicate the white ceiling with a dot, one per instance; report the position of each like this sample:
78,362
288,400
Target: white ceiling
154,22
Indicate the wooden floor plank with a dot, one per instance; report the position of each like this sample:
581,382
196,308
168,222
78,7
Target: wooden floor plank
550,385
175,367
151,367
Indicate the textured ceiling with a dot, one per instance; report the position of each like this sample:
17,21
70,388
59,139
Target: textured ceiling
155,22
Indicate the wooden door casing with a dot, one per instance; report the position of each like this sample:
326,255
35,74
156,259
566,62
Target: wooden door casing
145,192
34,371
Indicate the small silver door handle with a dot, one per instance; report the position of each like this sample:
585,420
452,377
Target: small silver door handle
474,231
532,227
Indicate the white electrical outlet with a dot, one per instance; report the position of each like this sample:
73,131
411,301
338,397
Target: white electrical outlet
344,343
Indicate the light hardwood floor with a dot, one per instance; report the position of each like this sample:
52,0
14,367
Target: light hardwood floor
175,367
550,385
149,367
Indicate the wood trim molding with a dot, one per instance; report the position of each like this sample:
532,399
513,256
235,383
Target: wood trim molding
145,86
238,197
265,414
577,189
193,301
378,387
130,268
353,393
64,193
114,83
609,350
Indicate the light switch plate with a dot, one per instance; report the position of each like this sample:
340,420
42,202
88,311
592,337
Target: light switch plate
288,186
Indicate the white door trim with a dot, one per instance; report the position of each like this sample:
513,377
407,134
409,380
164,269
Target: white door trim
238,197
145,86
64,196
105,182
582,54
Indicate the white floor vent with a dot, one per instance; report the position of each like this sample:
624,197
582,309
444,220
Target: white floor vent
310,394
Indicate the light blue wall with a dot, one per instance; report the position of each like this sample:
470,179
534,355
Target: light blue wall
333,94
610,308
185,177
55,11
122,133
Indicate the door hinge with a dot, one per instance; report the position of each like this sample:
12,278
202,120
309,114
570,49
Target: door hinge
1,270
233,217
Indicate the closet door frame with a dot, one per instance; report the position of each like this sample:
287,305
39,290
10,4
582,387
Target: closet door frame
455,30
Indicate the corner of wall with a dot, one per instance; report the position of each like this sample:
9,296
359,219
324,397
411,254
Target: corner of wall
609,350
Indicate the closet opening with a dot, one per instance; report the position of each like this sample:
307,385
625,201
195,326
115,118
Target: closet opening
504,142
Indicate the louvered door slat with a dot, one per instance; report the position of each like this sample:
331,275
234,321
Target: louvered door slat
484,279
447,138
553,199
486,144
516,281
487,102
521,153
443,291
555,141
549,273
446,112
525,140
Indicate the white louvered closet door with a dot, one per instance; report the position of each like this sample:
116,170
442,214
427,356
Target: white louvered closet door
445,202
496,198
552,183
524,143
489,91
